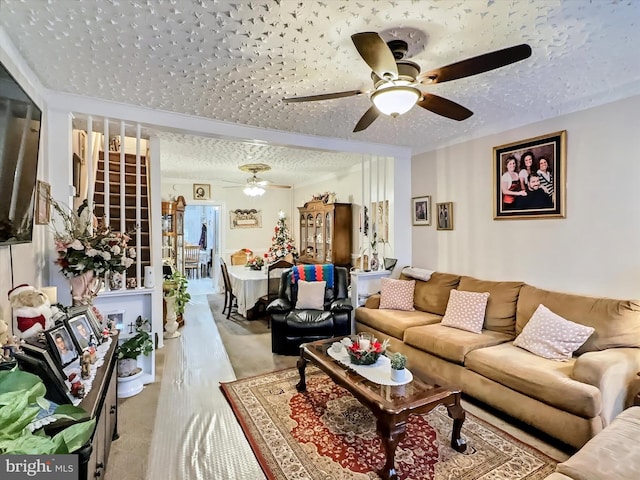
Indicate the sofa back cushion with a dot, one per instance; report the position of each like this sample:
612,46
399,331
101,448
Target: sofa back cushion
616,322
501,307
433,295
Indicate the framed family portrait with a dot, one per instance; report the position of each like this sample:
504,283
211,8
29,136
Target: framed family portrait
61,345
421,210
529,178
444,215
43,205
201,191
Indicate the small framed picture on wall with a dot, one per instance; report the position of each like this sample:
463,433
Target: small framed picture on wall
421,208
444,212
201,191
43,205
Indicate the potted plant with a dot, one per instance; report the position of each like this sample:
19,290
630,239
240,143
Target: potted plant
21,400
398,364
176,286
132,348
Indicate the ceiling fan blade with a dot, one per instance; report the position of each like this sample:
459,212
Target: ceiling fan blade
324,96
376,53
367,119
444,107
286,187
475,65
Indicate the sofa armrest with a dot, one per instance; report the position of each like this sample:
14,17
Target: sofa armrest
279,305
373,301
614,373
341,305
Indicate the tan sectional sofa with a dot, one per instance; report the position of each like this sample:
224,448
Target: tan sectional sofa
571,401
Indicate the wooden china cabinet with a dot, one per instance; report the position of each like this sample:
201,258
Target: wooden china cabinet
173,233
325,233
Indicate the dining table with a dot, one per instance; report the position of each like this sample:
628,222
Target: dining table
248,286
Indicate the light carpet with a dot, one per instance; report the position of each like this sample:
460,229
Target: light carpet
326,433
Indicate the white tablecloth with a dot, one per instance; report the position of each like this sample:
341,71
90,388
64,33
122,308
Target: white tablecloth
248,286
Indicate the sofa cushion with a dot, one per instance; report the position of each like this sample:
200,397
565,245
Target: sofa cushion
613,453
501,308
465,310
450,343
537,377
550,336
393,322
397,294
432,296
616,322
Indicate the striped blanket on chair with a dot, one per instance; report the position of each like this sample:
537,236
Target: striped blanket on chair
313,273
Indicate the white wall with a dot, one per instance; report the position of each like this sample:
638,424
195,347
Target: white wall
594,250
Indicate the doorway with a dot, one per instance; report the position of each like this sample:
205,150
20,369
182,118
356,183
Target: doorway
202,227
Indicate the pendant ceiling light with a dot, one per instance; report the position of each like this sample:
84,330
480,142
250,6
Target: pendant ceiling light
253,190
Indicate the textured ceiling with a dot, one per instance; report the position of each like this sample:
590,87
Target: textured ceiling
234,61
194,158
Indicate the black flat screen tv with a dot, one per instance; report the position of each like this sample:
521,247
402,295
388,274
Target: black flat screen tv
20,120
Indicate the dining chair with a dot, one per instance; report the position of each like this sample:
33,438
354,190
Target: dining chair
274,272
239,258
192,260
230,300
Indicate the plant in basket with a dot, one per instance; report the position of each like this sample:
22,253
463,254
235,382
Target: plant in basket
365,350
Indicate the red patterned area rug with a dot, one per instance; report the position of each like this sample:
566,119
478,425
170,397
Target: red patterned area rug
325,433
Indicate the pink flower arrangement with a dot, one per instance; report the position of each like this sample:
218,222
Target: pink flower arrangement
82,247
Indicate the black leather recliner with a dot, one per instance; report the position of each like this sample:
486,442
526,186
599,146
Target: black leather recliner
291,327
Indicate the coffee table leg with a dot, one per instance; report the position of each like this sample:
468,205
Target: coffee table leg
391,435
301,386
456,412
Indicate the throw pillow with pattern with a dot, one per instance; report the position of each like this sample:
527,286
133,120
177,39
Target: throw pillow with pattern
466,310
551,336
397,294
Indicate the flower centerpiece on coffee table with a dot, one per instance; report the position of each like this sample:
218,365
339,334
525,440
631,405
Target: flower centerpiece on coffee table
365,349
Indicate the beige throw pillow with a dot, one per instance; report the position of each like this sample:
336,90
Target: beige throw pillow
465,310
548,335
397,294
310,295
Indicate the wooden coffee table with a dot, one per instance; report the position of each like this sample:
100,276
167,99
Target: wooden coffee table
390,405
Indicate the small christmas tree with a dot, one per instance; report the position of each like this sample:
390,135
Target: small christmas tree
281,242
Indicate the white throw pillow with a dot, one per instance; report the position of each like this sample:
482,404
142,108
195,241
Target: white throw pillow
310,295
548,335
465,310
397,294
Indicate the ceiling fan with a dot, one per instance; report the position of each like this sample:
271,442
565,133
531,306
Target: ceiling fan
396,80
255,186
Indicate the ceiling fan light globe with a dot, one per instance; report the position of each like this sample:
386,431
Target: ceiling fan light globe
253,191
395,100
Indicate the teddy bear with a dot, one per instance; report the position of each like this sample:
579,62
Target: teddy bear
4,332
32,310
